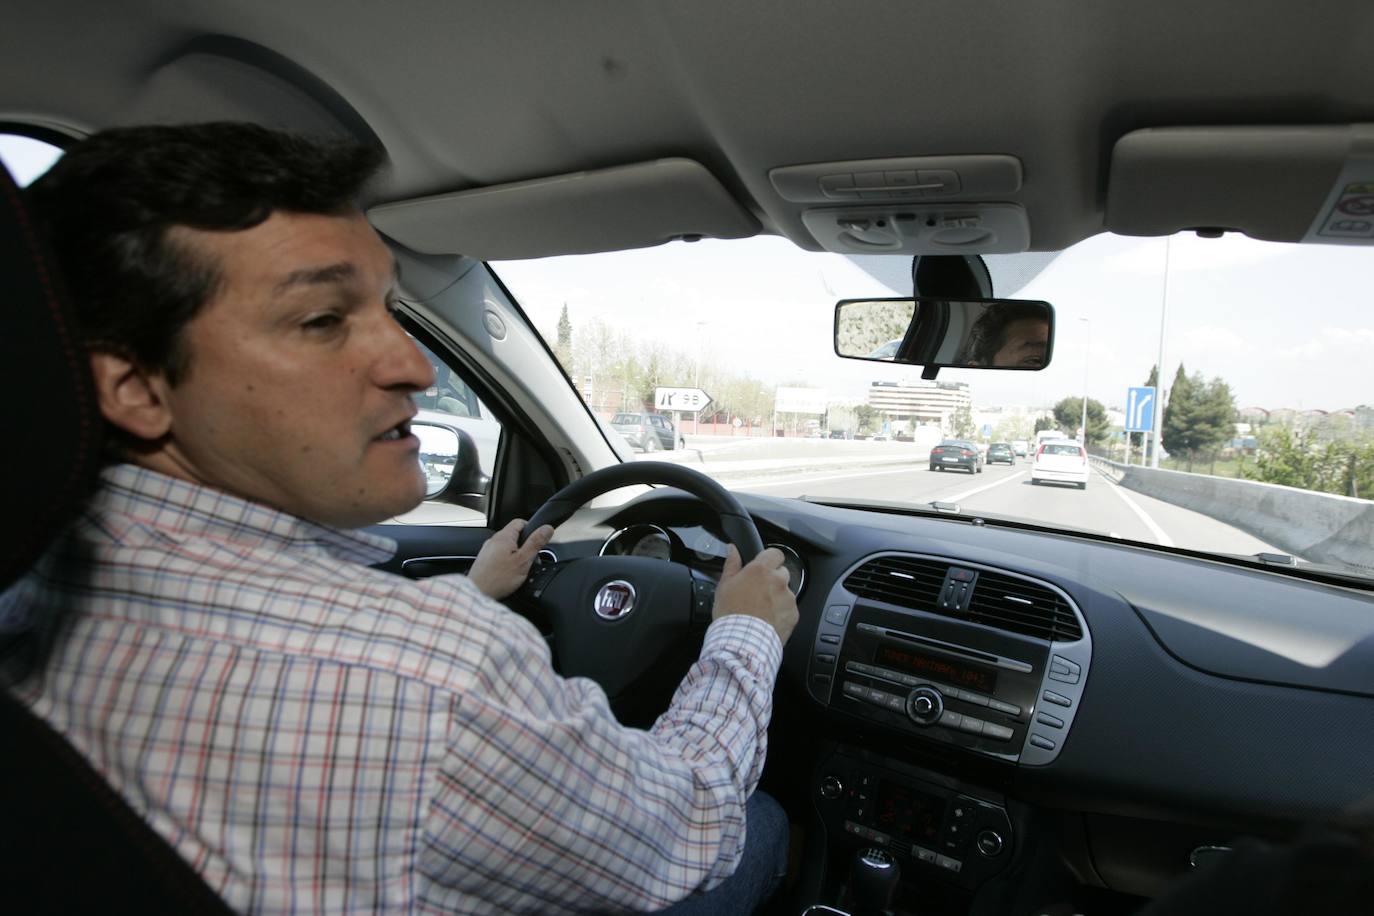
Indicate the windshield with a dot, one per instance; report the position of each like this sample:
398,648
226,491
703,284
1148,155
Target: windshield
1267,395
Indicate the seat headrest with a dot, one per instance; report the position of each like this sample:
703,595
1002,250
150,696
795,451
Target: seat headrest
52,450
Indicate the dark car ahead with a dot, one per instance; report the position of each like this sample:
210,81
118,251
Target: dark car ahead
956,453
1001,452
647,431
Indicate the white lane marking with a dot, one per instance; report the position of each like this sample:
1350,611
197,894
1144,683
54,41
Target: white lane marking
1160,537
748,485
960,497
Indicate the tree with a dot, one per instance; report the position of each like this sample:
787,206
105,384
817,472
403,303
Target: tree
1068,413
564,348
870,419
961,423
1293,459
1200,415
1043,423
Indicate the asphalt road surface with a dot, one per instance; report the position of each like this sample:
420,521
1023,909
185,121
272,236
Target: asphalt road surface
1007,490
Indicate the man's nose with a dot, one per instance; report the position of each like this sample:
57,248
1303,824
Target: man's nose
400,364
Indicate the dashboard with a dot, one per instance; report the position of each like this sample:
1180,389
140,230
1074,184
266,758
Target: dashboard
966,692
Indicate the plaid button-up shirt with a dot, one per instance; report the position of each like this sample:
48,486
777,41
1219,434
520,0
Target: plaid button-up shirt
317,736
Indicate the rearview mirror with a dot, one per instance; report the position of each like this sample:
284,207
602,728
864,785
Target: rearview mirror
953,333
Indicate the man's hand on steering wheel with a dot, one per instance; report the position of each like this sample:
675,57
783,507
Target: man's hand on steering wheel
503,564
757,590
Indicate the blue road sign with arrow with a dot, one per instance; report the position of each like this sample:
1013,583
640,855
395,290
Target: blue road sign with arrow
1140,410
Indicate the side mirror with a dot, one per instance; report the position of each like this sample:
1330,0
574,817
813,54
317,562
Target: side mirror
954,333
449,459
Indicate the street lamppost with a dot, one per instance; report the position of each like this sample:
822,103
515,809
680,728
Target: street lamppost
1086,350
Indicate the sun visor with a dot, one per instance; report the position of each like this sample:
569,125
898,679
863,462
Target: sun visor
1282,184
630,206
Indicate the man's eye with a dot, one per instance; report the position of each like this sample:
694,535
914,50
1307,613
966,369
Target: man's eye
325,322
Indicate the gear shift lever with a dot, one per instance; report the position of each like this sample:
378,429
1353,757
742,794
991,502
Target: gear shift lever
872,882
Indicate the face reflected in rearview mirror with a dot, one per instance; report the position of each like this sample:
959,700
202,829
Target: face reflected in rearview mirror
953,333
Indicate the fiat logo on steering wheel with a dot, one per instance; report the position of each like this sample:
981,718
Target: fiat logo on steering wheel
614,600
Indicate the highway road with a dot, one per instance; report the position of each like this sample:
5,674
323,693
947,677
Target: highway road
1103,506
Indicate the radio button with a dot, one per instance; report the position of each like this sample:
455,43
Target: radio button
999,732
977,699
895,703
1061,669
951,719
1057,699
854,689
990,843
876,696
1008,708
837,614
971,725
1045,718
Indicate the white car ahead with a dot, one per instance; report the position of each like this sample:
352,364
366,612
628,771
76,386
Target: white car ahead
1063,461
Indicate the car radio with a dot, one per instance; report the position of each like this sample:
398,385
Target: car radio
951,673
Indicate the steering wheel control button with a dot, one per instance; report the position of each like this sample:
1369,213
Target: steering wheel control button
837,614
1040,741
831,787
703,599
615,600
990,843
1045,718
925,705
1061,669
1057,699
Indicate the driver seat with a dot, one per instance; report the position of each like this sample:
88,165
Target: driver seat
68,842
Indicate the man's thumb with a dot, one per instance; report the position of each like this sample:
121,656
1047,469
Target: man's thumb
732,563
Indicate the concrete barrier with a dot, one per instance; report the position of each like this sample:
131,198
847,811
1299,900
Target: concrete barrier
1319,527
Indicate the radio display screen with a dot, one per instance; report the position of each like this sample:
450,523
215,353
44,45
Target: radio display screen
960,674
903,811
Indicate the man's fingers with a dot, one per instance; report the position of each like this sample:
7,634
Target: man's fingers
732,564
512,530
769,558
536,542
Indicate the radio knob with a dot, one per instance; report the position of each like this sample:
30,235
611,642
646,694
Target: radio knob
831,787
925,705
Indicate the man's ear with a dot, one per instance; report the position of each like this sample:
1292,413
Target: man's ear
130,397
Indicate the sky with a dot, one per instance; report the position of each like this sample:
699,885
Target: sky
1285,325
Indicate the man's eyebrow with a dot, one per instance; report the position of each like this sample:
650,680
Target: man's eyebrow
342,272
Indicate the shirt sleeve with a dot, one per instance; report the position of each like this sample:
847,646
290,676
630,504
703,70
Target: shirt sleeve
544,803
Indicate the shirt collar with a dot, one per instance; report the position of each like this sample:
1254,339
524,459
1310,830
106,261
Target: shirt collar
161,501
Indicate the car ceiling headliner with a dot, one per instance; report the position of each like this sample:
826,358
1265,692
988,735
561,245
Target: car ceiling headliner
473,94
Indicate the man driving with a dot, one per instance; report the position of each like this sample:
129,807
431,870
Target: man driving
309,733
1008,335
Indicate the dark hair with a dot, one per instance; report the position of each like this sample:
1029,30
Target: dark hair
111,203
989,332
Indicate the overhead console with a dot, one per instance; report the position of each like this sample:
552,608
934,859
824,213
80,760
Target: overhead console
981,659
910,205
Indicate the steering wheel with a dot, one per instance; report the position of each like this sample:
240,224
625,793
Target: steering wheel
613,617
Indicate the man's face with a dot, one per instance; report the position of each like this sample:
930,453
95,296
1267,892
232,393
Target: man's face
1024,343
299,378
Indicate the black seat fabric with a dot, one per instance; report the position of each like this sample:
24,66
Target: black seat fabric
68,843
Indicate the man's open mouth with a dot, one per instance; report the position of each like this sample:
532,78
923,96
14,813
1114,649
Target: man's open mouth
396,432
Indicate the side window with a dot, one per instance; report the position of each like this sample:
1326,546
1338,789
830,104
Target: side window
26,158
458,440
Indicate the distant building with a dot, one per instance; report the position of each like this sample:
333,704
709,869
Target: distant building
913,403
1255,415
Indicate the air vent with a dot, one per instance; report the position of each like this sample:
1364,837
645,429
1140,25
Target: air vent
1004,602
904,581
1022,607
